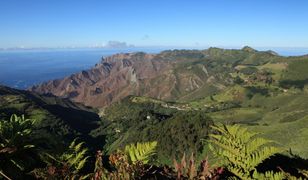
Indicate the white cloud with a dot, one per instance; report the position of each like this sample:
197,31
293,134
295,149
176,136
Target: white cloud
117,44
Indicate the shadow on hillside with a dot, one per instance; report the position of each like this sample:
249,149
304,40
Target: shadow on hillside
78,117
290,164
80,120
5,113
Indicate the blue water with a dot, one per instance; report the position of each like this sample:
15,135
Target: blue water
287,51
22,69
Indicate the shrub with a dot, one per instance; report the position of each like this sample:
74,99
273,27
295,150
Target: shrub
16,145
65,166
126,165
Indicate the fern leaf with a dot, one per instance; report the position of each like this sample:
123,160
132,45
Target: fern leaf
269,175
81,163
141,152
242,150
77,157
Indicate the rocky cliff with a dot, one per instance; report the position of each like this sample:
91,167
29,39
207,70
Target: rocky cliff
169,75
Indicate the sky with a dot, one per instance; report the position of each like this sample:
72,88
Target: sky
183,23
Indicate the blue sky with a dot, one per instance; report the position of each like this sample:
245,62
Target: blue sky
190,23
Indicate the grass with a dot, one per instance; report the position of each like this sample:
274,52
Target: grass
282,117
290,135
297,70
11,98
231,94
237,115
142,99
276,68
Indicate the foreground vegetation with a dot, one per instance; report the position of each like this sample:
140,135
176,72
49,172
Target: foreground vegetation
240,155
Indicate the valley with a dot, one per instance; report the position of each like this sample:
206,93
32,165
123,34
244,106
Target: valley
258,89
174,98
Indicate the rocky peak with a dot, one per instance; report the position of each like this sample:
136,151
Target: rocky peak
272,53
248,49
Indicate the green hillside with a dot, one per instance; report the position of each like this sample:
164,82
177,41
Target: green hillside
60,120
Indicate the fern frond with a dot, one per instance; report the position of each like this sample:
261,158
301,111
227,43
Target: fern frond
270,175
78,146
259,156
72,160
141,151
17,164
242,150
81,163
79,156
256,143
239,173
304,173
73,144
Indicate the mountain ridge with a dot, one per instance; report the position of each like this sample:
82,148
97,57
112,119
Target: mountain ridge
168,75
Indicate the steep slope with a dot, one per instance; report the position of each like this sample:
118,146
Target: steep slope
58,120
170,75
112,79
